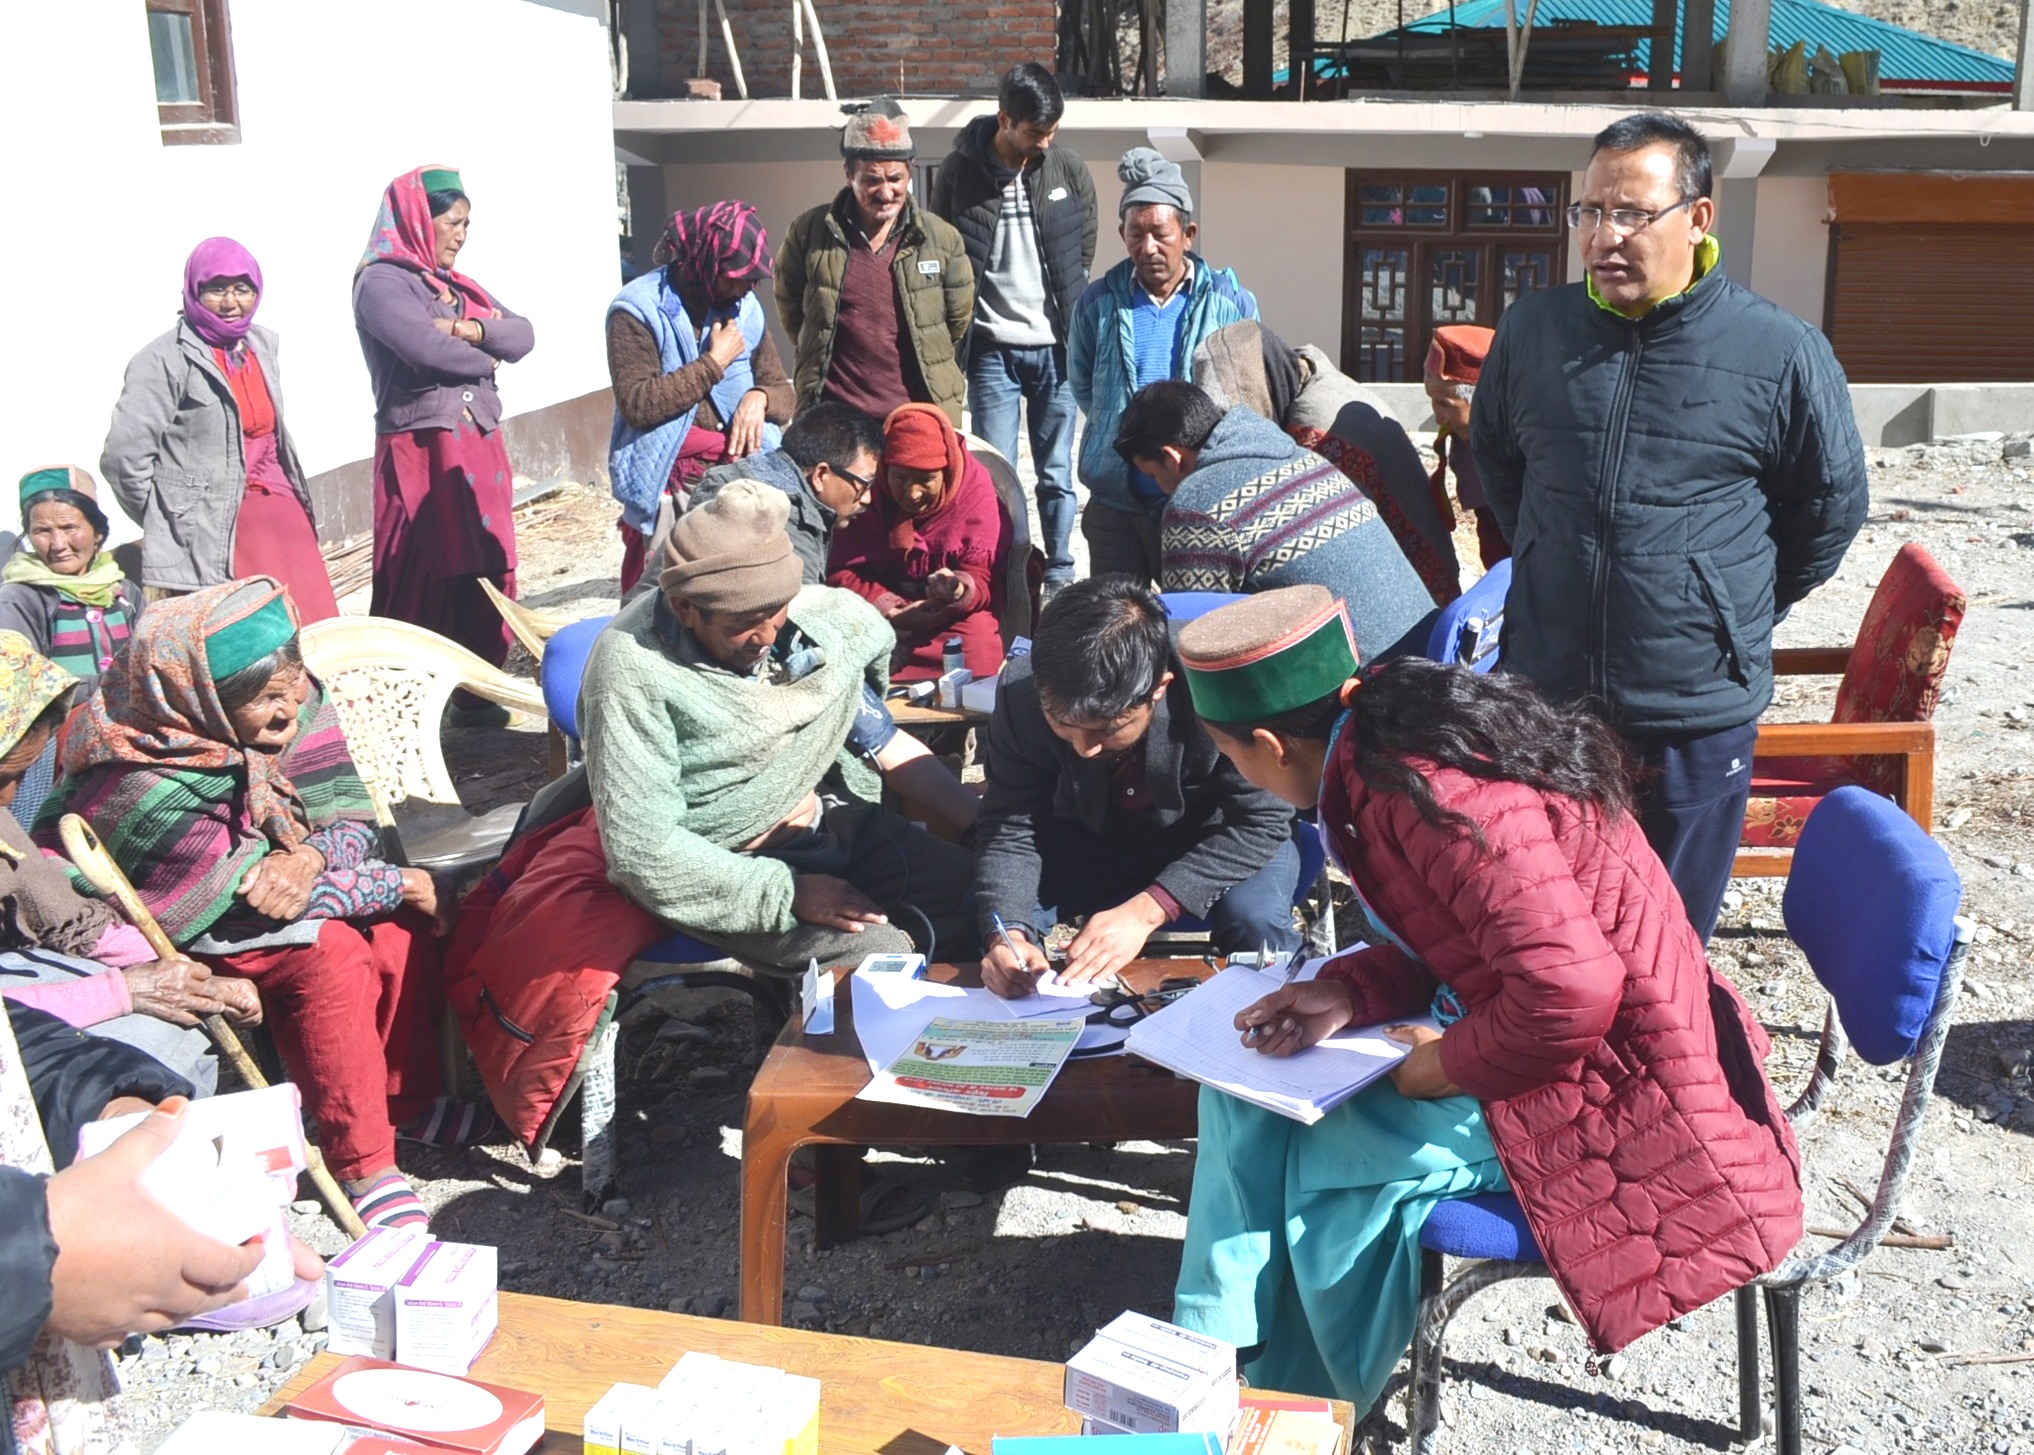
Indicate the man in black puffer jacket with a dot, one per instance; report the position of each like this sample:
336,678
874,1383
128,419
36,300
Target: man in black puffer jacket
1025,210
1675,463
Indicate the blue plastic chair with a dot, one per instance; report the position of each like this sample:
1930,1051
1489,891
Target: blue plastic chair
1470,629
704,965
1186,605
1872,902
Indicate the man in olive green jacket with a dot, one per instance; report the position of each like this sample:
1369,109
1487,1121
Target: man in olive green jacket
876,293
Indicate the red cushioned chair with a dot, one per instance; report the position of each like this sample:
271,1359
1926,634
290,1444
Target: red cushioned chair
1880,735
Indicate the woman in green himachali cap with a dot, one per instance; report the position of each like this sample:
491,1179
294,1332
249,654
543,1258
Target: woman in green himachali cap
1588,1058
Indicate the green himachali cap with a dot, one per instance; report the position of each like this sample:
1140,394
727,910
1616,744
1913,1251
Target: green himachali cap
440,179
1268,654
247,640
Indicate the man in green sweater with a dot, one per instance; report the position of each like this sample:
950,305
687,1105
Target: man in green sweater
716,714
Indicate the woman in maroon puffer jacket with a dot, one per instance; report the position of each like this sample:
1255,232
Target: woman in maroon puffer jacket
1507,887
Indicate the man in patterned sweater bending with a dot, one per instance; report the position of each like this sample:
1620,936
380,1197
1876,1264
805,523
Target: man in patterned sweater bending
1249,510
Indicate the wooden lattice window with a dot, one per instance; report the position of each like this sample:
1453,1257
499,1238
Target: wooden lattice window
1431,248
191,42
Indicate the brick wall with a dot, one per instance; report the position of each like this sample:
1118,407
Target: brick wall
914,46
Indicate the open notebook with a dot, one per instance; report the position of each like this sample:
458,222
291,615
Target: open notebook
1196,1036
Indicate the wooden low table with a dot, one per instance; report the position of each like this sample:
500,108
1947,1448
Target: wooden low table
804,1095
915,714
876,1398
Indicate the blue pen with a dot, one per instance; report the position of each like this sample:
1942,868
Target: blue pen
1003,933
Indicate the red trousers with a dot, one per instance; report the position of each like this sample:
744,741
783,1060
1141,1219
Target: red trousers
356,1019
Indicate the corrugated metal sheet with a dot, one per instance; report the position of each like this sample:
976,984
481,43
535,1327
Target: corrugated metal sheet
1906,56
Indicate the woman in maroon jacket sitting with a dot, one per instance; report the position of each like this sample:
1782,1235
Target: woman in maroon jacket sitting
1590,1059
931,555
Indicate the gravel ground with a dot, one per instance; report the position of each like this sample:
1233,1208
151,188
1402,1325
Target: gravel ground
1892,1359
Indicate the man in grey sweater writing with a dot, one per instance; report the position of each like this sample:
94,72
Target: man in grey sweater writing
718,713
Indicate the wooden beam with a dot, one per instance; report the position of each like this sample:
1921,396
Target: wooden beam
1299,47
1660,67
1257,34
1186,47
1698,46
2023,68
1749,38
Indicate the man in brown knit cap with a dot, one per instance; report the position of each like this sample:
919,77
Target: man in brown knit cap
717,714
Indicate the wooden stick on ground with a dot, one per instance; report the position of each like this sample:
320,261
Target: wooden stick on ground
92,860
1933,1241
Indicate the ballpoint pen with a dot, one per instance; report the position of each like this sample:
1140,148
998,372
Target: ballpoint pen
1003,933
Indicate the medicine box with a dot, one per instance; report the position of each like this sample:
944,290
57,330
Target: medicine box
360,1290
980,695
1210,1357
601,1433
1146,1392
446,1307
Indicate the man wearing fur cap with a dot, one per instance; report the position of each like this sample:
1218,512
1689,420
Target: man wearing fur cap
876,293
716,713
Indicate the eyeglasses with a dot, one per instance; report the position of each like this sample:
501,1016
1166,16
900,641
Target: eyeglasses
1623,220
863,483
242,291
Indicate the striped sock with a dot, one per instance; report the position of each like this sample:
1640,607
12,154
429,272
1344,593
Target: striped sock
390,1202
451,1123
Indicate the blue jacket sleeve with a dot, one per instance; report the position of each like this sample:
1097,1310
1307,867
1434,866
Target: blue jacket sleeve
27,1256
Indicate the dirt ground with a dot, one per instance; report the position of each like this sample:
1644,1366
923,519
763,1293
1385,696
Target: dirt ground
1929,1350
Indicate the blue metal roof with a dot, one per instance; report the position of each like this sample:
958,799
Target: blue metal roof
1907,58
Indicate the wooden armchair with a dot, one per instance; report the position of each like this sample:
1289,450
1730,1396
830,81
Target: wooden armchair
391,682
1880,735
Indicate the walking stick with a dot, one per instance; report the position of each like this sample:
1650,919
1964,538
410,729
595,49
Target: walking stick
92,860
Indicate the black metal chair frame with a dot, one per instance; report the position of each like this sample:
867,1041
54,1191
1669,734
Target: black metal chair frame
1441,1298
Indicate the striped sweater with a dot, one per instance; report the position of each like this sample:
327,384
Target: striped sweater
185,840
1259,512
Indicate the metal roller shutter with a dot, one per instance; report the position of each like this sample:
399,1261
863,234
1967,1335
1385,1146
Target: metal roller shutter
1920,303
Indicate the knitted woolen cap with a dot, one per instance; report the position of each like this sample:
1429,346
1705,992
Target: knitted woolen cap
733,553
879,132
1147,177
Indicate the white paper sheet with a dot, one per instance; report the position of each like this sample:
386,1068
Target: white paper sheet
891,1010
1196,1036
1050,997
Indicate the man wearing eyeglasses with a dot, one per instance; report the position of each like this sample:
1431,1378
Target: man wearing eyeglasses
1675,463
827,465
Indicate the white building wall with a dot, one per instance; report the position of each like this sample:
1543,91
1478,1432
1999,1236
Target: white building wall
1281,229
333,102
1790,248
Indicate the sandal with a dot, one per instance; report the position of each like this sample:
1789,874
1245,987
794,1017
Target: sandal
452,1124
907,1206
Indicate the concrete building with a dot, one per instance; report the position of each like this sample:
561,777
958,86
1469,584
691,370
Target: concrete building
296,118
1361,224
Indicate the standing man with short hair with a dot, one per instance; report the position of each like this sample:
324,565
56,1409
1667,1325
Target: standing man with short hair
1675,463
876,294
1024,205
1137,324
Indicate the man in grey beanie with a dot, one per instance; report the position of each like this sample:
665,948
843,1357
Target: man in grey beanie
718,714
1137,324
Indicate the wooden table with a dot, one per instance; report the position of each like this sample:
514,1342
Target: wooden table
804,1095
930,714
876,1398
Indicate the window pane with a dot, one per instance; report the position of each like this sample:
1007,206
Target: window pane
1383,280
1526,272
176,58
1453,285
1429,207
1379,206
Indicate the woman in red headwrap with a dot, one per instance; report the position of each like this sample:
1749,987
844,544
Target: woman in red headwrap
197,454
1454,364
931,555
444,494
697,379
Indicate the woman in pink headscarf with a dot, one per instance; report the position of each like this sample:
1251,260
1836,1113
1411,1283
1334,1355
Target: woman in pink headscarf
444,494
198,455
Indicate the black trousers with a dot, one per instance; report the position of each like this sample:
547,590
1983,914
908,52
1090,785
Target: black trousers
1691,805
